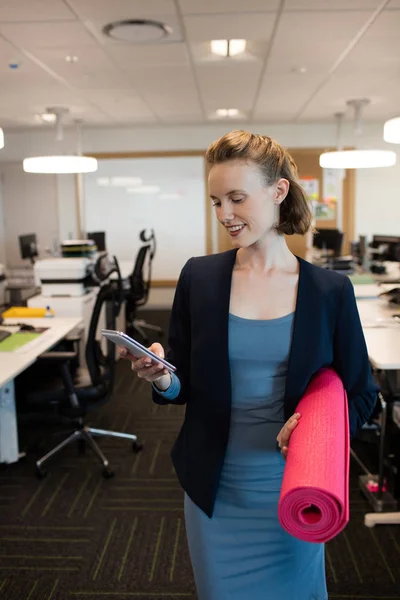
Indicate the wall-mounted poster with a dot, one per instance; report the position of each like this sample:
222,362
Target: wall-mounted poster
311,187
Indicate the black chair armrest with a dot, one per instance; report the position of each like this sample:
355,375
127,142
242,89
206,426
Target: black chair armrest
57,357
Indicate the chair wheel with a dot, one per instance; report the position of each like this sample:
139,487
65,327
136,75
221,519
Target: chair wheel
136,447
107,473
41,473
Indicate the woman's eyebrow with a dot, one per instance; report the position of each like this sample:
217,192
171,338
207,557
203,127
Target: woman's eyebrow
227,194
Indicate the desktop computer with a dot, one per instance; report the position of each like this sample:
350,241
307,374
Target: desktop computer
99,238
329,239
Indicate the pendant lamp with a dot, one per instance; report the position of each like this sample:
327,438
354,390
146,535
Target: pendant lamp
62,163
357,159
391,131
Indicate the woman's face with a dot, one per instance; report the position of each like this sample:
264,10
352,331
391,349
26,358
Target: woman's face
244,204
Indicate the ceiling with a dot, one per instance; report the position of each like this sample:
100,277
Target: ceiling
349,48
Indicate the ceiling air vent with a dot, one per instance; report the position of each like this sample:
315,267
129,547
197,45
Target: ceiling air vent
137,31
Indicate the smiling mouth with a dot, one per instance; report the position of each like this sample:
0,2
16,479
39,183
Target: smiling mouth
235,230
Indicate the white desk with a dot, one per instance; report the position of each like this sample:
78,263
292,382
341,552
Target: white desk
13,363
382,336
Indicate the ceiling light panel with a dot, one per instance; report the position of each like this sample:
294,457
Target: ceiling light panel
228,48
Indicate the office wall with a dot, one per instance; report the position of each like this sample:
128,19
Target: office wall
29,206
377,191
66,207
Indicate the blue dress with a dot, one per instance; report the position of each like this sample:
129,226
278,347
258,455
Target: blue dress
242,552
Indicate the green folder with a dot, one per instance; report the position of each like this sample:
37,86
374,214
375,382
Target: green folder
361,278
17,340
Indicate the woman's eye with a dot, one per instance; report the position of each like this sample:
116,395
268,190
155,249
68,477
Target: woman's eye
237,199
216,203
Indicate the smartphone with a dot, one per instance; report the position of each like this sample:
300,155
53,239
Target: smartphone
135,348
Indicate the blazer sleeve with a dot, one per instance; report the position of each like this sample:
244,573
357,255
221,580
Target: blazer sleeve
351,360
179,338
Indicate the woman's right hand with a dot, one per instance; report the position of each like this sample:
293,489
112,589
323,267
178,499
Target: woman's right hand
148,369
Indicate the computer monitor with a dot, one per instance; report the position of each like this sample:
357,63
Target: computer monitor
389,247
99,238
329,239
28,246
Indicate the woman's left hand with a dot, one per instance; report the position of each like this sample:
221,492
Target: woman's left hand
283,436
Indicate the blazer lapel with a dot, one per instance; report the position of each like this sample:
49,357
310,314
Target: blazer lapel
303,337
222,282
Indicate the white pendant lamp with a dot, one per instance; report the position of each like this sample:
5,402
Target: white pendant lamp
391,131
63,163
357,159
60,164
1,138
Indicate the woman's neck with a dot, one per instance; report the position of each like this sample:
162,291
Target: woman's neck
269,255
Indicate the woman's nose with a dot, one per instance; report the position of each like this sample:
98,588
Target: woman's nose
225,213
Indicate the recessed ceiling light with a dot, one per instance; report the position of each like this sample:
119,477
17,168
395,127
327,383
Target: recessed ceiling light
227,112
47,117
1,138
71,58
228,47
137,30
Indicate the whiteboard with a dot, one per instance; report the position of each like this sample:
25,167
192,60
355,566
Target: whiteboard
167,194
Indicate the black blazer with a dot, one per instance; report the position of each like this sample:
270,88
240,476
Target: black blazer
326,332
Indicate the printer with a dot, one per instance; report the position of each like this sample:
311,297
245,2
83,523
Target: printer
64,276
70,274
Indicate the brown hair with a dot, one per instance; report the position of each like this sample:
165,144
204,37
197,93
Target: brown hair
274,162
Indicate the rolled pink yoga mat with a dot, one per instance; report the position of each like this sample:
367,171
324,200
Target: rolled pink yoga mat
314,499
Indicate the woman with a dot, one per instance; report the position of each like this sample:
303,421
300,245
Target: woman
249,328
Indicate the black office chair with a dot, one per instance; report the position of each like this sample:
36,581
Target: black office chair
137,293
90,388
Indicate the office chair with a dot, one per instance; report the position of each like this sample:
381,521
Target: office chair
90,388
139,286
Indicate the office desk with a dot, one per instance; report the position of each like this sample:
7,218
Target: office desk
382,336
12,364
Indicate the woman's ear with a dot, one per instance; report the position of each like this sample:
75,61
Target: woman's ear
281,190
